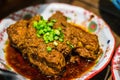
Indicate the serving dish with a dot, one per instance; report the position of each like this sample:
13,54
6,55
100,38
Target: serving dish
116,65
77,15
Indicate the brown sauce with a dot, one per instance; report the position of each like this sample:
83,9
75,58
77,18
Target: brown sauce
23,67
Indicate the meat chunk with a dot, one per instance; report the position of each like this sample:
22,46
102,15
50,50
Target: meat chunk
17,33
85,44
22,36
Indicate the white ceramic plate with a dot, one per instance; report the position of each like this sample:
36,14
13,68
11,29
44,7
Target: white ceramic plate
76,15
116,65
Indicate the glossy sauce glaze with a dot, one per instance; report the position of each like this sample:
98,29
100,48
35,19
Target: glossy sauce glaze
23,67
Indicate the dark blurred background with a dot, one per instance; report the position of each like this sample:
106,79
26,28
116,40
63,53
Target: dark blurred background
110,14
10,6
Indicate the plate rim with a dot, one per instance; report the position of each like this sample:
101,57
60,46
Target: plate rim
112,63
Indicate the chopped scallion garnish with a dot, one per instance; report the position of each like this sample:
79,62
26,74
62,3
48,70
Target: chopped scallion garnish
49,49
69,44
55,43
45,30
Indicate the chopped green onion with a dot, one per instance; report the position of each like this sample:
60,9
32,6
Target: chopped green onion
49,49
46,41
38,35
67,42
71,46
35,23
59,28
53,20
62,35
41,32
55,43
50,24
56,37
51,37
57,32
60,39
45,30
48,29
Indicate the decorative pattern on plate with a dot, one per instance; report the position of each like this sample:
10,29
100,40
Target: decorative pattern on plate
3,37
116,65
77,15
92,26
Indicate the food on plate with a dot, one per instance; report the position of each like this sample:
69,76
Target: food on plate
52,44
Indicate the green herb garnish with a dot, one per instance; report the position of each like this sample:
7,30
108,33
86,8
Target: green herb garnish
45,30
49,49
68,18
69,44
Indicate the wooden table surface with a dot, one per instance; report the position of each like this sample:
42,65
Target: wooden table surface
103,8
